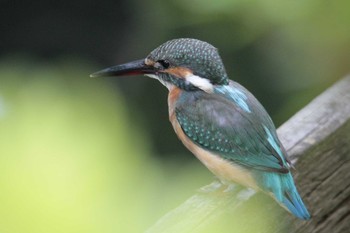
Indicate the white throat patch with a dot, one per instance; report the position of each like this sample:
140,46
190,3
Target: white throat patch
199,82
202,83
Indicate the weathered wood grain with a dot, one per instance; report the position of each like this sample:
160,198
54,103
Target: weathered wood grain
317,139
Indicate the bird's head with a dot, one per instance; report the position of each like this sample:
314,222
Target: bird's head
189,64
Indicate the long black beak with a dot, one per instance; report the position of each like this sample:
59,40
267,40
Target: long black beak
130,68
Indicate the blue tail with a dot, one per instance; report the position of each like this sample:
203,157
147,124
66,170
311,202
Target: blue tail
284,191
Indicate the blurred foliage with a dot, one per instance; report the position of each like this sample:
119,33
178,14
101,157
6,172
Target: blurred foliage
78,154
285,52
71,161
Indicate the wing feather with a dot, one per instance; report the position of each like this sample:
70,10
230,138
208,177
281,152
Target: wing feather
219,124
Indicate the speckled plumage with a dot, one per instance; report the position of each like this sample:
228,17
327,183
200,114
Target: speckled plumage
196,55
221,125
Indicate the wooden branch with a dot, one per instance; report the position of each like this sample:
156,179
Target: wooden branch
317,139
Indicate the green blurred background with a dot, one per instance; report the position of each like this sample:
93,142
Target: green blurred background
99,155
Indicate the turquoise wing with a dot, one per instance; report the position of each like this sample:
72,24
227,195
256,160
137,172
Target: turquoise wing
241,132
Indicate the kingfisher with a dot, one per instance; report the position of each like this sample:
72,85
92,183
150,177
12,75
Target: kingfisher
219,120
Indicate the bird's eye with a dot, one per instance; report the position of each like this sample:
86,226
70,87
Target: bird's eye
164,63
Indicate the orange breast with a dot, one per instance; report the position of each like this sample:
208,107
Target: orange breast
225,170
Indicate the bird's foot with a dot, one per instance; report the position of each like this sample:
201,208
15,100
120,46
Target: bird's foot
245,194
214,186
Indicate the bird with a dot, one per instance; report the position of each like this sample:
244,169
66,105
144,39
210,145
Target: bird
219,120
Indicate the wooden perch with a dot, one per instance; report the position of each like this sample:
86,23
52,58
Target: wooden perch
317,139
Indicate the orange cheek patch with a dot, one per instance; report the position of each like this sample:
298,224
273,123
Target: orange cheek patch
180,72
